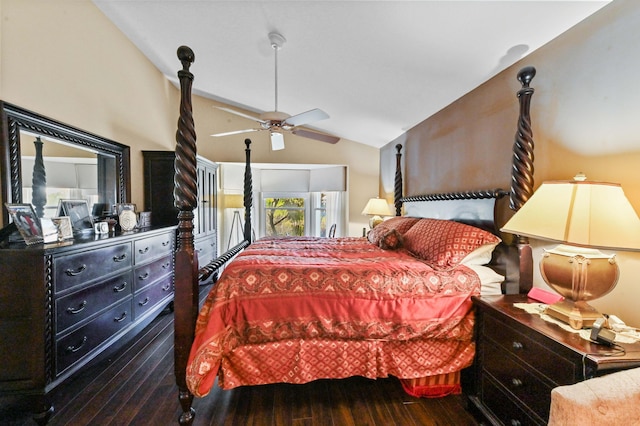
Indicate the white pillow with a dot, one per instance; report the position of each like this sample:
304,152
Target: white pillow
490,280
481,255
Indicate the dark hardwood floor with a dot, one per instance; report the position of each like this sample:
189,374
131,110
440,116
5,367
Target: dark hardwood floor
136,387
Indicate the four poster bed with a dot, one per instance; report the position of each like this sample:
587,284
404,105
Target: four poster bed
397,302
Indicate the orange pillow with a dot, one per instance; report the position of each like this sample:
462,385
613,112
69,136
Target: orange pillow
445,243
400,223
391,240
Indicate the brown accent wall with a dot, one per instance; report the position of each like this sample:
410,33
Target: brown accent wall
585,118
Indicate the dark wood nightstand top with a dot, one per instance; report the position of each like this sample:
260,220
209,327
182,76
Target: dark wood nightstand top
600,358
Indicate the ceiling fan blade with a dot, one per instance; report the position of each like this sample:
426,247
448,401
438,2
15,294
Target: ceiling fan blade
241,114
317,136
277,141
306,117
217,135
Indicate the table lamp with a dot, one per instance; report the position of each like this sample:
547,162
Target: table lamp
583,216
376,208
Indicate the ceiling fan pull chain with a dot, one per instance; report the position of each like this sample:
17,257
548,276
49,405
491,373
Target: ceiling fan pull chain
276,48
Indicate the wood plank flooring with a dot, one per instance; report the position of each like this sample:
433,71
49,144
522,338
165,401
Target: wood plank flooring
136,387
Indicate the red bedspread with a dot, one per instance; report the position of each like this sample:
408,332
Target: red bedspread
299,309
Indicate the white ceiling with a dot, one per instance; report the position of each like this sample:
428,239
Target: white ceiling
376,67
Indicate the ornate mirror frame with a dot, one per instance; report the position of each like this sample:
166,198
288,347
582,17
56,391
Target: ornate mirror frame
14,119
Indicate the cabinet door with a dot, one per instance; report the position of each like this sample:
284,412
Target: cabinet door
205,213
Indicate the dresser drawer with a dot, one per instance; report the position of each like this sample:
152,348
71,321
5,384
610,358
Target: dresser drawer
149,298
80,268
87,302
146,274
518,380
152,247
505,408
558,369
71,348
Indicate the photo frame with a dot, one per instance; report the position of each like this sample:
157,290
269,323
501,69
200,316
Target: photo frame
119,208
27,222
78,213
63,223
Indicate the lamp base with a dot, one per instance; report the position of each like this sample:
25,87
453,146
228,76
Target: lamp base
375,221
577,314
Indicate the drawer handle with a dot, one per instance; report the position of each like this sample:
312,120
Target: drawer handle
166,265
117,289
517,345
165,243
77,348
121,317
77,310
120,258
144,302
144,250
143,276
516,382
166,287
515,422
73,273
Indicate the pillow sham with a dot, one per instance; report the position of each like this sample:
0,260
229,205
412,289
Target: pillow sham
391,240
445,243
481,255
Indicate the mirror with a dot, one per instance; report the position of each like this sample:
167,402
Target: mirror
44,161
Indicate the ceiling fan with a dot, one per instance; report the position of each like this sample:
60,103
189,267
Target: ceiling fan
277,122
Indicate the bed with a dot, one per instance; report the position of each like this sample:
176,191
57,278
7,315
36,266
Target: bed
397,302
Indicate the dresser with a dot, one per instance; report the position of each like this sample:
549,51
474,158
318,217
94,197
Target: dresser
520,358
63,305
159,175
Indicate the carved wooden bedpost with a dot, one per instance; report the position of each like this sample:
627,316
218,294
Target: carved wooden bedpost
186,270
397,188
522,173
248,191
39,180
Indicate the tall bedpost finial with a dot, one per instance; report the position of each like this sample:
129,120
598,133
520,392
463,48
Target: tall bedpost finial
248,191
522,173
397,187
186,258
522,176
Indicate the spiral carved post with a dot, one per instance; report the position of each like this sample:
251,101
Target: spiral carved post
186,268
248,191
397,187
39,180
522,172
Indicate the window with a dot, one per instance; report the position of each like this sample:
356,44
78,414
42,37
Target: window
285,215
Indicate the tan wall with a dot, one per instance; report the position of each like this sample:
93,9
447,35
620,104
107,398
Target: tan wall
67,61
584,118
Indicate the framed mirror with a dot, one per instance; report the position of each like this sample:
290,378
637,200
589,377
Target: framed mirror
44,161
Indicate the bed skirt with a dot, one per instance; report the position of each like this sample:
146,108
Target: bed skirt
426,368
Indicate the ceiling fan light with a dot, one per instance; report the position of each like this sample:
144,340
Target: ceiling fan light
277,141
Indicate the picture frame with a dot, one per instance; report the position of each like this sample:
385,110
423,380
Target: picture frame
27,222
63,223
78,213
120,207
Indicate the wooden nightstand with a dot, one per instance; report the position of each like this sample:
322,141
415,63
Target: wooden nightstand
520,358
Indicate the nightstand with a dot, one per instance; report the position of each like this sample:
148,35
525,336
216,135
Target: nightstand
520,358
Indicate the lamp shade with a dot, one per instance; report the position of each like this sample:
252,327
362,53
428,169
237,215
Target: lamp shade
377,207
234,201
584,213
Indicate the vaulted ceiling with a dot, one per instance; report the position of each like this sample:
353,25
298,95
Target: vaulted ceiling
376,67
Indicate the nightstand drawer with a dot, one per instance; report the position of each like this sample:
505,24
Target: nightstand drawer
544,359
517,379
504,407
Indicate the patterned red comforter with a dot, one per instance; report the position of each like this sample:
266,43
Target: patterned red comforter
298,309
